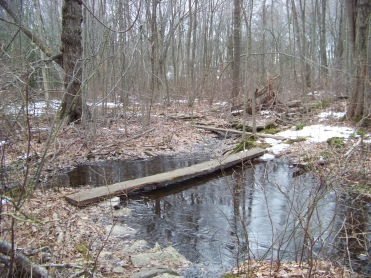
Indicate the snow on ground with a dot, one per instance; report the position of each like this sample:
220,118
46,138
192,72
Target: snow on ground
2,143
318,133
35,108
313,134
330,114
107,104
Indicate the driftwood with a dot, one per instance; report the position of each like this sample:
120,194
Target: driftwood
216,129
26,267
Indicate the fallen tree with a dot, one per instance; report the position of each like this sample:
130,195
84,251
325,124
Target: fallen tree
216,129
25,268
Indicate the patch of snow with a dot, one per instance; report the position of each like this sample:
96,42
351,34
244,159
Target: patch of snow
314,93
5,200
277,145
267,156
181,101
314,134
337,115
221,103
265,112
318,133
2,143
108,104
278,148
272,141
36,109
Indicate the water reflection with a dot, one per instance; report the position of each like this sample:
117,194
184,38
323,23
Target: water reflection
109,172
260,212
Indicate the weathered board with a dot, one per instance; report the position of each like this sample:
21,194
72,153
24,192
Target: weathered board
101,193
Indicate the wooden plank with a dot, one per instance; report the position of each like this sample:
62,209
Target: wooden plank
101,193
239,132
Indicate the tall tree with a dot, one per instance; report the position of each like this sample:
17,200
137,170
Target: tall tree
236,83
359,16
323,43
72,59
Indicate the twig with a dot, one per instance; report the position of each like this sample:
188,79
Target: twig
67,265
58,229
78,274
35,251
348,153
27,267
131,138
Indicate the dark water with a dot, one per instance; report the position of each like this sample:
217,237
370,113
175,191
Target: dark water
259,212
113,171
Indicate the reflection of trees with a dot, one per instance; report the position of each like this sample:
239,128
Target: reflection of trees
241,216
355,231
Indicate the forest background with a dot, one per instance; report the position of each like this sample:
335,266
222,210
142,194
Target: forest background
78,57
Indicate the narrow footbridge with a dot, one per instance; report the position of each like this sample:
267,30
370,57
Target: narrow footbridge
97,194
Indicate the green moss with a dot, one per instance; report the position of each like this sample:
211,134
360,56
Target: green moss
321,105
16,193
361,133
270,131
336,142
247,144
299,126
362,188
263,145
326,155
270,126
292,141
229,275
83,248
239,126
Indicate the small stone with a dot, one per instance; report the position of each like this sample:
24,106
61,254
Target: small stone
118,269
122,212
159,272
138,245
110,203
118,230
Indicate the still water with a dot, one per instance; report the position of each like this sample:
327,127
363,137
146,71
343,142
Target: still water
260,211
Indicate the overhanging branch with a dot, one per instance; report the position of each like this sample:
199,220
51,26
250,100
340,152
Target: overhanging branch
33,37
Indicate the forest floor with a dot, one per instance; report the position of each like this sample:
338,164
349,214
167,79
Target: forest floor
68,240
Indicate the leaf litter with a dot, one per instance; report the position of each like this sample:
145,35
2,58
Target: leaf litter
75,239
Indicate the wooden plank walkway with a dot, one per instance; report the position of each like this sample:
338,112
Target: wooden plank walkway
101,193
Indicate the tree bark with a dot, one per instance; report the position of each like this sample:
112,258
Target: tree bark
72,60
359,106
236,83
323,43
32,36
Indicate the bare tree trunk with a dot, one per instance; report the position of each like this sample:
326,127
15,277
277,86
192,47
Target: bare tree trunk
42,54
263,73
72,60
236,82
323,43
359,106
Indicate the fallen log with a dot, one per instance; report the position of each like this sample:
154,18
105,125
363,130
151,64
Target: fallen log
239,132
26,267
101,193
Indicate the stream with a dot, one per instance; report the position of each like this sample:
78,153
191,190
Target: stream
260,211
